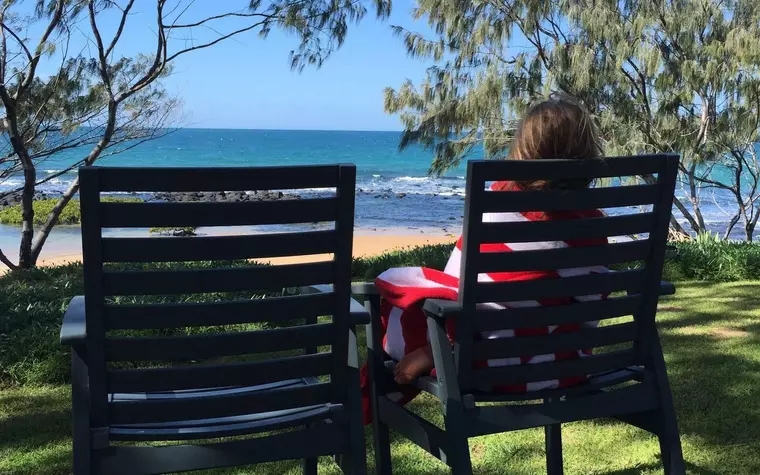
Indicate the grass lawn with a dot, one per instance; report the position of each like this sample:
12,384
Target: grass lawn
711,334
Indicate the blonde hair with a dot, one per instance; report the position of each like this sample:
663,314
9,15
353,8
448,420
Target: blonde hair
558,127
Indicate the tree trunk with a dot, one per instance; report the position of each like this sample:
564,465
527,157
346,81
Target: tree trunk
676,226
686,215
730,227
25,260
694,198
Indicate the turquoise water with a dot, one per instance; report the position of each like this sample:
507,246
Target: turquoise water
393,188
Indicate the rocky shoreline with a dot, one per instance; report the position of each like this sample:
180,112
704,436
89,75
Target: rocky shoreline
15,198
221,196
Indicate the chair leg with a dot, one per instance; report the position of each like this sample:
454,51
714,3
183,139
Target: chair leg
354,462
553,436
382,441
375,361
668,434
458,456
310,466
670,447
80,410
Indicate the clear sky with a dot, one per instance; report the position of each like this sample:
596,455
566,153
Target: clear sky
247,82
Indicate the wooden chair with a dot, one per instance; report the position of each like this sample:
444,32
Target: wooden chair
627,380
296,398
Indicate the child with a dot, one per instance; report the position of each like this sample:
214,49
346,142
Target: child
555,128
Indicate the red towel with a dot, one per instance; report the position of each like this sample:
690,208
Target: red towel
403,291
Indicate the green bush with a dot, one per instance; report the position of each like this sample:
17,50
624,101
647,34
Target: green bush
714,260
32,302
43,207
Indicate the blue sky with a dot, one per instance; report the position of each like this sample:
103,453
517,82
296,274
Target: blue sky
246,82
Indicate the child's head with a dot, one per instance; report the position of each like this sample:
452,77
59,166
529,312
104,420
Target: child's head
558,127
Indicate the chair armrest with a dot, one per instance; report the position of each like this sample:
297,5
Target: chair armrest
359,314
441,308
448,308
667,288
364,288
74,327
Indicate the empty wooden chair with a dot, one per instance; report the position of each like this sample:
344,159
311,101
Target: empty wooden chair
626,374
237,370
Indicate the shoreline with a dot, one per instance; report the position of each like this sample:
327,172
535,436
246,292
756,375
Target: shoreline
368,242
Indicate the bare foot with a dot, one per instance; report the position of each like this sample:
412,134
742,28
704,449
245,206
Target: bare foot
413,365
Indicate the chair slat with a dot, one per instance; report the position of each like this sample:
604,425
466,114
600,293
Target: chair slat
213,346
222,375
567,258
567,230
570,200
603,283
586,338
230,312
529,170
235,279
218,248
167,179
147,215
169,410
544,316
314,441
527,373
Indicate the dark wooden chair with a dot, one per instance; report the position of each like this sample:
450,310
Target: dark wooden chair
627,377
250,380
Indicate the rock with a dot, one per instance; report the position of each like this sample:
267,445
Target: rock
400,195
15,198
221,196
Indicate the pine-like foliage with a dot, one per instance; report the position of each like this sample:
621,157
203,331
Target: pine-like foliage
659,75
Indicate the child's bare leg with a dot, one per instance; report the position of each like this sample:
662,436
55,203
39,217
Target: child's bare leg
413,365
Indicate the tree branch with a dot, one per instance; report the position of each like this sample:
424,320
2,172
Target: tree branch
17,38
31,72
7,261
120,29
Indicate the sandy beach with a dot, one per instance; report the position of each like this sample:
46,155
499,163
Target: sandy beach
366,243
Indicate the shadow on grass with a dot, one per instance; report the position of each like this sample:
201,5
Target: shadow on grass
691,469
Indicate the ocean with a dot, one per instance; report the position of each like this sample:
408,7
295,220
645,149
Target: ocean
393,187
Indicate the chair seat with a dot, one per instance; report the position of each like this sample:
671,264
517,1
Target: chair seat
220,426
595,383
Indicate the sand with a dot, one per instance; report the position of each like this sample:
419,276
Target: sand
366,243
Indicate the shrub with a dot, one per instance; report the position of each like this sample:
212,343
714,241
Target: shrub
42,208
710,259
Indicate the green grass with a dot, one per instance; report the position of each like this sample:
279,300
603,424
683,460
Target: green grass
42,208
711,336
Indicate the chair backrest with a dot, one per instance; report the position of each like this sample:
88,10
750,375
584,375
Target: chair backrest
644,209
156,322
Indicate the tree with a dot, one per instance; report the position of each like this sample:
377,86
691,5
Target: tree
104,103
660,76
